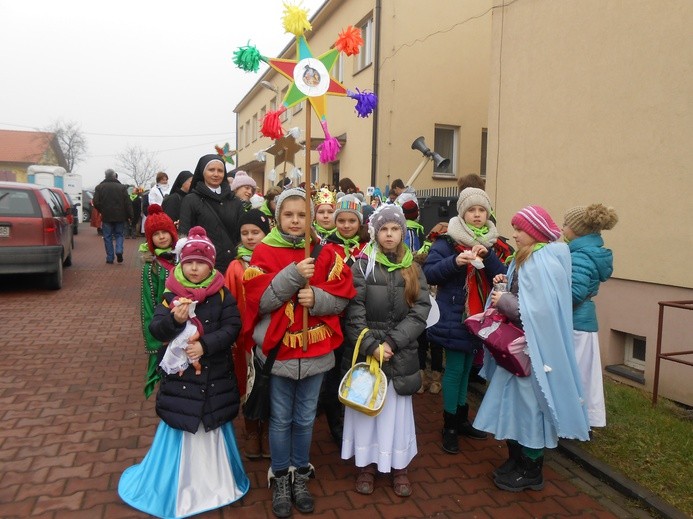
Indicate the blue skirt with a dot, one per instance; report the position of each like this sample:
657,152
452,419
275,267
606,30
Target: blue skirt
184,474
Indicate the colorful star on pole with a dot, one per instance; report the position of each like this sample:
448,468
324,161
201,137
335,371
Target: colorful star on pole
310,77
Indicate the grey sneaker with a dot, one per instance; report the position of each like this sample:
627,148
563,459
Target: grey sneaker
302,496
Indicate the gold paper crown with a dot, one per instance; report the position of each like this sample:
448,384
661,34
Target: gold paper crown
324,196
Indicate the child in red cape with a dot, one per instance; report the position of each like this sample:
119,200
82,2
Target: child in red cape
276,297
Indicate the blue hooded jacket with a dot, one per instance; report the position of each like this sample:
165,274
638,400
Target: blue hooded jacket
592,264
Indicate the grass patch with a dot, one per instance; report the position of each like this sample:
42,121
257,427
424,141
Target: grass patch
652,446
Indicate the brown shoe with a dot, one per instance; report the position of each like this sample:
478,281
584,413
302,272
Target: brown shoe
400,483
264,440
365,482
251,448
435,386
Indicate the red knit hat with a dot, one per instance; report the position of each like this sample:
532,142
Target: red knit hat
536,222
157,220
198,247
410,209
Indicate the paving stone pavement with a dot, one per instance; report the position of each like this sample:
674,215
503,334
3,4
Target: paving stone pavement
74,417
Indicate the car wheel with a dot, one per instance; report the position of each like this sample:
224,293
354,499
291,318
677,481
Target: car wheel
68,260
54,281
85,215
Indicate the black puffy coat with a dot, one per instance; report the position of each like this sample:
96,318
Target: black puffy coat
212,396
380,305
218,214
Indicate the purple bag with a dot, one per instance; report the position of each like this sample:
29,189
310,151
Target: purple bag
505,341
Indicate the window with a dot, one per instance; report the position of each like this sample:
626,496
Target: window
338,69
298,107
484,147
285,115
634,352
445,144
241,137
314,173
273,104
365,56
254,128
263,112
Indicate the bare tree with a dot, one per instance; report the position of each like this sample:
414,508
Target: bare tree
138,164
71,140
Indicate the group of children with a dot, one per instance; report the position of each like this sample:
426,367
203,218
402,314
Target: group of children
357,278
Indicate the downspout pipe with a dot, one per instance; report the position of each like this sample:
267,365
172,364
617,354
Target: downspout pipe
376,91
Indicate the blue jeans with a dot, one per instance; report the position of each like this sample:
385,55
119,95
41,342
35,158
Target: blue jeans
112,230
292,414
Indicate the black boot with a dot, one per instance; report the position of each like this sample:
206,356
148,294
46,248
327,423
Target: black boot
333,413
514,454
450,441
464,428
281,492
526,474
299,488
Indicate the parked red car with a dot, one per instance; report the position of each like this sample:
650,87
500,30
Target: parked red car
35,235
69,207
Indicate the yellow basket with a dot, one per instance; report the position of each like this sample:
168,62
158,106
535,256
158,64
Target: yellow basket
364,387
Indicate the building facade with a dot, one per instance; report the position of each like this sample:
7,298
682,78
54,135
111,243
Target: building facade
429,67
591,102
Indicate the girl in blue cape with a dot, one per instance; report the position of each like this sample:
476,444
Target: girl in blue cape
532,412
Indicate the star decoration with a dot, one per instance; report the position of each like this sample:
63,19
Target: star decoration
284,150
310,77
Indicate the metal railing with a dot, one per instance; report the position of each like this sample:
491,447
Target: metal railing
684,305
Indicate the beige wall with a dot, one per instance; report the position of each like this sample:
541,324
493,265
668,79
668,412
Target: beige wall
434,70
591,102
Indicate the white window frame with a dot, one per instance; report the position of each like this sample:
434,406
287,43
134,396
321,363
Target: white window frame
285,114
241,136
365,55
628,358
298,107
254,131
452,173
338,69
314,173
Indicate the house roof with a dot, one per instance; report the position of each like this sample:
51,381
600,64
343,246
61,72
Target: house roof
24,147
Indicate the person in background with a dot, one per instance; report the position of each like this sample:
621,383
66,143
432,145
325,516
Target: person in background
212,205
156,194
325,204
173,201
269,206
158,262
347,186
111,199
244,186
592,264
276,299
393,303
133,226
532,412
347,241
254,227
462,264
193,464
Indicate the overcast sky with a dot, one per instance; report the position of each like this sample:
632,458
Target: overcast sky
153,73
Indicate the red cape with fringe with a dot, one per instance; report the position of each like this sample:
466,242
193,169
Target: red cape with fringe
286,325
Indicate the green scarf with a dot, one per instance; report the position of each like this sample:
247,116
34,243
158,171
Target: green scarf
265,209
243,252
144,247
275,239
479,232
349,243
412,224
537,246
178,274
322,231
381,258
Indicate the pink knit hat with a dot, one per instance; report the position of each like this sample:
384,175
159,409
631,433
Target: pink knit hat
242,179
536,222
198,247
